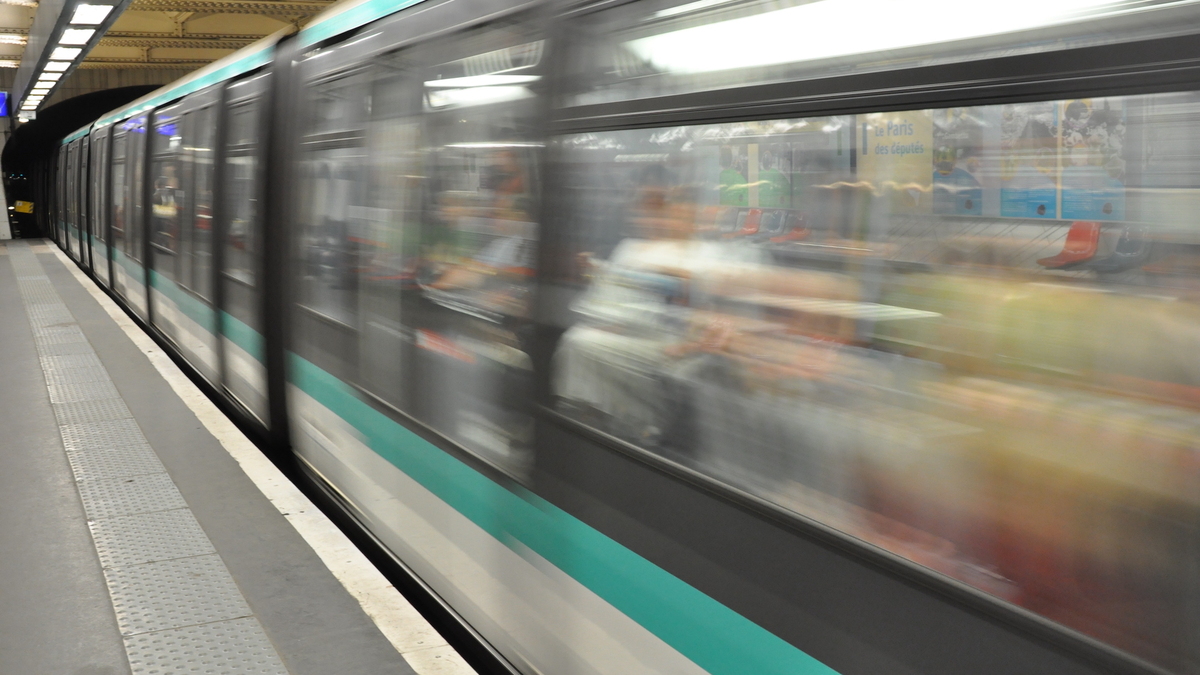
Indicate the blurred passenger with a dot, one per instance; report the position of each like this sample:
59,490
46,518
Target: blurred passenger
509,256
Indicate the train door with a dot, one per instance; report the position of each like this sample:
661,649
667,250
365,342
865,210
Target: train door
76,197
68,180
167,197
119,213
181,229
99,206
480,242
60,201
133,253
85,213
242,329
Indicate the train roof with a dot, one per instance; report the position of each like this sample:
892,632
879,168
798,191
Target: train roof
339,18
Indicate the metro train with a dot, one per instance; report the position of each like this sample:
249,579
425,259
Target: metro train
718,336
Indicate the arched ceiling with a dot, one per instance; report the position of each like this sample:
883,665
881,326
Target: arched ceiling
175,33
169,36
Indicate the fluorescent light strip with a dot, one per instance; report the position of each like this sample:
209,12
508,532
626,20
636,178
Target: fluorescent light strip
76,36
57,66
90,15
481,81
50,77
65,53
878,27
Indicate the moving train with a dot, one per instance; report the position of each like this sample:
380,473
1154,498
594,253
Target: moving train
718,336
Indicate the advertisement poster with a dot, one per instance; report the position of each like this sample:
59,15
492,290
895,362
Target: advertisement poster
1029,160
773,188
820,155
896,153
1093,160
958,158
733,181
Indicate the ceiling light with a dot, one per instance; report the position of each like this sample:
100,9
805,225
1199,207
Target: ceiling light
690,50
7,39
57,66
6,63
76,36
481,81
50,77
39,91
441,98
65,53
90,15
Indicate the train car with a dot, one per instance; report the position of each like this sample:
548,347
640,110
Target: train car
731,336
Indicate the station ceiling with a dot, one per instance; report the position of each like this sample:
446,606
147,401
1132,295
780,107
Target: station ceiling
148,40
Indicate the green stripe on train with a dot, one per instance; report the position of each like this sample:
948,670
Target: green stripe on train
260,56
713,636
242,335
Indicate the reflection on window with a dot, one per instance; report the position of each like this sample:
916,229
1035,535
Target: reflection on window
135,152
653,49
478,251
240,251
331,169
240,198
965,336
201,125
167,198
99,166
391,223
119,189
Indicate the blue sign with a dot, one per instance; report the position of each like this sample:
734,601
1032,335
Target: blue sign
3,104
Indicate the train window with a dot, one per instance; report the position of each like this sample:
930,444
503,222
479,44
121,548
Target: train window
241,204
478,249
965,336
337,105
135,141
391,229
332,168
86,166
168,192
243,125
99,162
119,189
60,184
98,205
70,169
645,49
199,164
245,374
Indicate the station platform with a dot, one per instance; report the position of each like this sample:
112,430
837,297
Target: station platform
142,533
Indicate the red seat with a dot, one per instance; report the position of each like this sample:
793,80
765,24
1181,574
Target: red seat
1082,241
750,225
